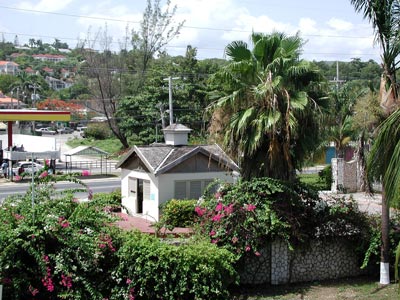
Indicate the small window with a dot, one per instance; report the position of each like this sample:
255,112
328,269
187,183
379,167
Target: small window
195,189
180,189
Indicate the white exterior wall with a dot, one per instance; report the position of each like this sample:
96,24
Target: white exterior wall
150,207
162,188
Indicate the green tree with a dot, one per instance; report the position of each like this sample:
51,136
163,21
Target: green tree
269,111
385,18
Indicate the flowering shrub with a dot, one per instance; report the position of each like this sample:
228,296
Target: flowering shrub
245,216
57,249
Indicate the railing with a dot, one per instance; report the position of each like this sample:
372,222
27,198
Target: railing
93,166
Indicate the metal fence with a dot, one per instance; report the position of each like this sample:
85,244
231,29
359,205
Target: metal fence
92,166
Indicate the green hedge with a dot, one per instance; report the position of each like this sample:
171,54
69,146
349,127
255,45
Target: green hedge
151,269
177,213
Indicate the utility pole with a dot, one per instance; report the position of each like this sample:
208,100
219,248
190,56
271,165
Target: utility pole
336,80
171,114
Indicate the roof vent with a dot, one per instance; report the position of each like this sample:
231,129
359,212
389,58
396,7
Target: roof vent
176,134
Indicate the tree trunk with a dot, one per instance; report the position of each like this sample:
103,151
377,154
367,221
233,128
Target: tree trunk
385,227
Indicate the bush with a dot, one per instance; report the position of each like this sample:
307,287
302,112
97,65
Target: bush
57,249
98,131
62,249
325,177
150,269
178,213
245,217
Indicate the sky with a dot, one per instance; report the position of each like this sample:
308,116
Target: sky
331,29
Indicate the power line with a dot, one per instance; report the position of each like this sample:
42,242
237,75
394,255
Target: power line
184,26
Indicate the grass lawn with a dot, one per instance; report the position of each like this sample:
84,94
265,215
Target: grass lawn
109,145
313,180
344,289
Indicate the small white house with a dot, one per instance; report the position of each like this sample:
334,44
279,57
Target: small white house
151,175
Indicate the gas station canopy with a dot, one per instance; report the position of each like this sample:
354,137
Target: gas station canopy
33,115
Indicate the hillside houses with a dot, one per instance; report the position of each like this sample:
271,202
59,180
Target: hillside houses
9,67
58,78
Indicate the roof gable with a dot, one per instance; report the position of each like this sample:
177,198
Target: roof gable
161,159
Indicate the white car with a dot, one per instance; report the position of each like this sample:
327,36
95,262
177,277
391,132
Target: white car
46,130
26,167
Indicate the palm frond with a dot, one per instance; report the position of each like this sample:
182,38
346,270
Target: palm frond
238,51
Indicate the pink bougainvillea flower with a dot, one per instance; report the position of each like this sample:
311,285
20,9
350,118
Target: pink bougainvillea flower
257,253
18,217
218,195
128,281
63,222
47,281
44,174
217,218
248,248
66,281
200,211
250,207
228,209
212,233
219,206
17,178
215,241
33,291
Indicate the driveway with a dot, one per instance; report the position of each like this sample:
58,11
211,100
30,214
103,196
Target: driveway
366,202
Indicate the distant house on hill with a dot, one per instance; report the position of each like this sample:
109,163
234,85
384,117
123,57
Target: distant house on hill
57,84
49,57
30,71
152,175
10,103
48,70
9,67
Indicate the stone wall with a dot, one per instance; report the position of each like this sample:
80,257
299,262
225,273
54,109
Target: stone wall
328,260
320,261
257,270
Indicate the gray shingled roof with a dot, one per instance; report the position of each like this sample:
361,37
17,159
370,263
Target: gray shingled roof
160,158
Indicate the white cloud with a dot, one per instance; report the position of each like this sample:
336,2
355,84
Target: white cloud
45,5
307,26
341,25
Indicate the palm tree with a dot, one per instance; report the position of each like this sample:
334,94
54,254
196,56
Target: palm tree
385,18
383,163
267,112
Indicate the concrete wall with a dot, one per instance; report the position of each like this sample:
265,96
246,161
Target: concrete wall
345,176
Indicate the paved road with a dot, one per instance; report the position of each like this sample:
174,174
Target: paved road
103,185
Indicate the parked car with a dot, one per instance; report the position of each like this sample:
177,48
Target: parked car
65,130
26,166
46,130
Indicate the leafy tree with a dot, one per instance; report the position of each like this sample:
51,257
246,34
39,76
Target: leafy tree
268,111
106,70
385,18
